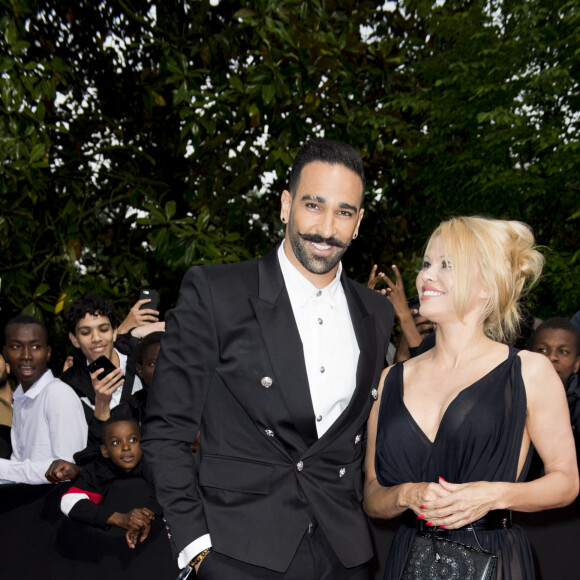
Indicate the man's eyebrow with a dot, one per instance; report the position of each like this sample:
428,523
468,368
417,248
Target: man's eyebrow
348,206
315,198
318,199
87,327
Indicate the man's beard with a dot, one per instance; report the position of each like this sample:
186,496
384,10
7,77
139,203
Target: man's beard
312,262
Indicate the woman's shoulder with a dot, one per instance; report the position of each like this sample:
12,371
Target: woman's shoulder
534,361
540,378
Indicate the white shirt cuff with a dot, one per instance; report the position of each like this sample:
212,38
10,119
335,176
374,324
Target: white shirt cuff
192,550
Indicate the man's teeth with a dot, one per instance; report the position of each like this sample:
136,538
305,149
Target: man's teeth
321,246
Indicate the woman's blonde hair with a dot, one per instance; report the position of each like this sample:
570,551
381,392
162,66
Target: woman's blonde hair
507,259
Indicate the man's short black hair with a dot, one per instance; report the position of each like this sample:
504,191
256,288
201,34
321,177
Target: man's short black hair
92,304
27,320
557,323
117,419
327,151
148,340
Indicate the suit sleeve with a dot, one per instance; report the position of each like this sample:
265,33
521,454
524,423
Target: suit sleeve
187,360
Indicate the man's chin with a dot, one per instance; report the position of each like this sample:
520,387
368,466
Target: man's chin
320,265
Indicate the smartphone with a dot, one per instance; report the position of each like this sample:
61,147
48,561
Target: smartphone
102,363
414,302
153,295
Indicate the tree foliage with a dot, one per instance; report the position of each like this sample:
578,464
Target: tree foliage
138,138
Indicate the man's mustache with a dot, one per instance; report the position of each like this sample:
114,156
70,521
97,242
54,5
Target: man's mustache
318,239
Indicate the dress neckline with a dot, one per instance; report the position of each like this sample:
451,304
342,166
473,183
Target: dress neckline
511,353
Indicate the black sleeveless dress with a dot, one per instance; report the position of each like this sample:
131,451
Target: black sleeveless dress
479,439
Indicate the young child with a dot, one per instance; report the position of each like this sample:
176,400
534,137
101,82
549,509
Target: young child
121,458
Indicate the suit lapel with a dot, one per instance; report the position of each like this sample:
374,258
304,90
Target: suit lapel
282,340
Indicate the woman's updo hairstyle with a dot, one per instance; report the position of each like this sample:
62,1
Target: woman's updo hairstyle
508,262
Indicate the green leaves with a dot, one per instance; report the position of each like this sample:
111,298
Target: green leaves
132,147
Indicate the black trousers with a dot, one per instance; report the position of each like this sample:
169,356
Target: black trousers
314,560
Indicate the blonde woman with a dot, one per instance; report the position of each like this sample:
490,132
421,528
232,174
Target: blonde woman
450,436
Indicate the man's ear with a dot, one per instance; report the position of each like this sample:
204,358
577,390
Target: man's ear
104,452
74,340
360,217
577,364
286,203
48,352
8,366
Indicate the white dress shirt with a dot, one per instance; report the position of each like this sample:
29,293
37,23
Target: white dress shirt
330,352
330,347
49,423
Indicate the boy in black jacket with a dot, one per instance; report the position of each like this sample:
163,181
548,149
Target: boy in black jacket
121,458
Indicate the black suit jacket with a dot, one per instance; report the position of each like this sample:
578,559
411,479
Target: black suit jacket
261,472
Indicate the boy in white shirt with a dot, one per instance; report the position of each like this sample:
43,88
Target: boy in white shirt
48,421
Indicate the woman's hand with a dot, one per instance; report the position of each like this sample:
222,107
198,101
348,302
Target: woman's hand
419,495
464,503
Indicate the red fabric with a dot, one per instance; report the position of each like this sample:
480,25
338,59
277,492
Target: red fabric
94,497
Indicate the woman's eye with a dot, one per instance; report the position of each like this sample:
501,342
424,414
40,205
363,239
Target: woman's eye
426,265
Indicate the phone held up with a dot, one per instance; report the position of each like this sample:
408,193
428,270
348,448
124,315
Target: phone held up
152,295
102,363
414,302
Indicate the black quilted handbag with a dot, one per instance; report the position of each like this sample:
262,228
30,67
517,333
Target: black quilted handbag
432,557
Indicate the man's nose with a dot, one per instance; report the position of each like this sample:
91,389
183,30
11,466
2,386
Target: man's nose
26,353
326,225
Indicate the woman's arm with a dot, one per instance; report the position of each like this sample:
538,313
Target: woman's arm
548,425
389,502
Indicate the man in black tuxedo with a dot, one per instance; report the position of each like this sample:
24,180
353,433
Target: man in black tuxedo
277,361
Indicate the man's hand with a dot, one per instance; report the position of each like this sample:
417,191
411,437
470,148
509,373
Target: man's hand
138,317
61,470
374,278
104,390
68,363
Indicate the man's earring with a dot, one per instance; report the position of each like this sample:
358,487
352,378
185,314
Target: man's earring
354,237
283,220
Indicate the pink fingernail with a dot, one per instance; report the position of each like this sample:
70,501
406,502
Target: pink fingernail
442,479
422,507
429,524
442,527
420,516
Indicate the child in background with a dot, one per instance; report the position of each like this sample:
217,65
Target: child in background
121,458
559,340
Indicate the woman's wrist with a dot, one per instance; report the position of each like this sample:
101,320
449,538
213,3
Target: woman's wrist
403,500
